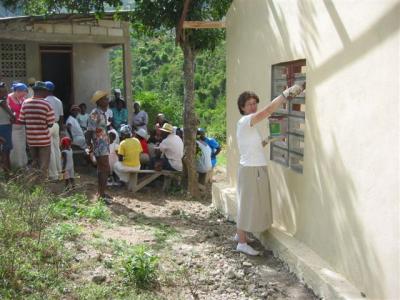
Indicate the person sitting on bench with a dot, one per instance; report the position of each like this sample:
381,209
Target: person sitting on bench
171,149
142,136
128,155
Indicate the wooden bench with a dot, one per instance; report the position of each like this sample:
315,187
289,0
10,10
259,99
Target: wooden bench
135,185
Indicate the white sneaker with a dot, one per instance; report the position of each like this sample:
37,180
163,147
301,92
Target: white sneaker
248,239
246,249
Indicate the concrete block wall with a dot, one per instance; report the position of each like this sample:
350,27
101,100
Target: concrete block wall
98,28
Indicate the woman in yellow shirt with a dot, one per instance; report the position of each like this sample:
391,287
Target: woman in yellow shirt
128,155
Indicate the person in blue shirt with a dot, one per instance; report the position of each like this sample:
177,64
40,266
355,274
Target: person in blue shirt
120,114
212,143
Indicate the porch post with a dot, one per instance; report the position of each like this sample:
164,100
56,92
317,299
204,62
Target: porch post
127,71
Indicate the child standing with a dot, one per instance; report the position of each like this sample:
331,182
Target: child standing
113,157
83,117
67,161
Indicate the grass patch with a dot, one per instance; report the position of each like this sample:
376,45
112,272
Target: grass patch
92,291
221,158
32,261
78,206
65,231
163,232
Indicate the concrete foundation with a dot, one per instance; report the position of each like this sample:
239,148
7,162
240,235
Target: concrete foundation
301,260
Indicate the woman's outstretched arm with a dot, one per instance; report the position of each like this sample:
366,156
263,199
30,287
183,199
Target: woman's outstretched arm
267,111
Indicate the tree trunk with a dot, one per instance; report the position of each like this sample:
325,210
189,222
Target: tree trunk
190,121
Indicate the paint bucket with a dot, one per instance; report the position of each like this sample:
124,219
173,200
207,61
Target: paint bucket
277,126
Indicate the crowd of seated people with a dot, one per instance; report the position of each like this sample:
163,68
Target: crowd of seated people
32,128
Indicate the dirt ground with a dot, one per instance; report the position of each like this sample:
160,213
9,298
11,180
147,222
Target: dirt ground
193,241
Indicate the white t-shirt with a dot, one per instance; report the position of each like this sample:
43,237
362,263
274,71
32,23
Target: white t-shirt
116,135
56,105
250,144
109,114
113,157
203,161
172,148
76,129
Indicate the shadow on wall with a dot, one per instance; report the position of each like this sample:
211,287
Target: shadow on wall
345,239
346,246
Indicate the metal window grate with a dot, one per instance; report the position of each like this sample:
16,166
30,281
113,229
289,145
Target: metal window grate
290,150
12,61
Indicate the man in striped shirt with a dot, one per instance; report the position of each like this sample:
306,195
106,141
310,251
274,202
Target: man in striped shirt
38,117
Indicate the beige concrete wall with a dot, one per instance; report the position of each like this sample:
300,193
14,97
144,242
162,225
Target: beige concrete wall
32,60
91,71
345,205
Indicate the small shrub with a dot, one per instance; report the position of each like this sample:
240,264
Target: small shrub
141,267
97,211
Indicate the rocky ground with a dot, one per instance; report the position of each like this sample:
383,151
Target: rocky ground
197,256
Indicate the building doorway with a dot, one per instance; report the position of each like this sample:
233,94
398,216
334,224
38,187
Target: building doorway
56,66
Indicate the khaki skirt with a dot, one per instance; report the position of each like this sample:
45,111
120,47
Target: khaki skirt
254,199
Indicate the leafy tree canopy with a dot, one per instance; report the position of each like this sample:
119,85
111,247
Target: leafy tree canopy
154,15
48,7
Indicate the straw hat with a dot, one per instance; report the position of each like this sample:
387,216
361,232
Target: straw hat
98,95
31,80
167,128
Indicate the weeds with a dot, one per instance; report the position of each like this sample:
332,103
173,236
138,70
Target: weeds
31,261
78,206
33,258
163,232
91,291
65,232
141,267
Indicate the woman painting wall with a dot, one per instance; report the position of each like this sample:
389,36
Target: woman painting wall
253,190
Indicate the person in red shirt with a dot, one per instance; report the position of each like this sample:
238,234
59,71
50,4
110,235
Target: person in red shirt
38,116
18,156
142,136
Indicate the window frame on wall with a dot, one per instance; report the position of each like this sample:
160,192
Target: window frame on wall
12,61
288,149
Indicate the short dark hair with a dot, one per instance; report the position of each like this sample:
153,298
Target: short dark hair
110,133
244,97
82,105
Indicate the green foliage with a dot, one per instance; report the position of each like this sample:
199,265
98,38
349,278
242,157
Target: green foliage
48,7
141,267
165,14
158,82
78,206
163,232
65,231
93,291
31,260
